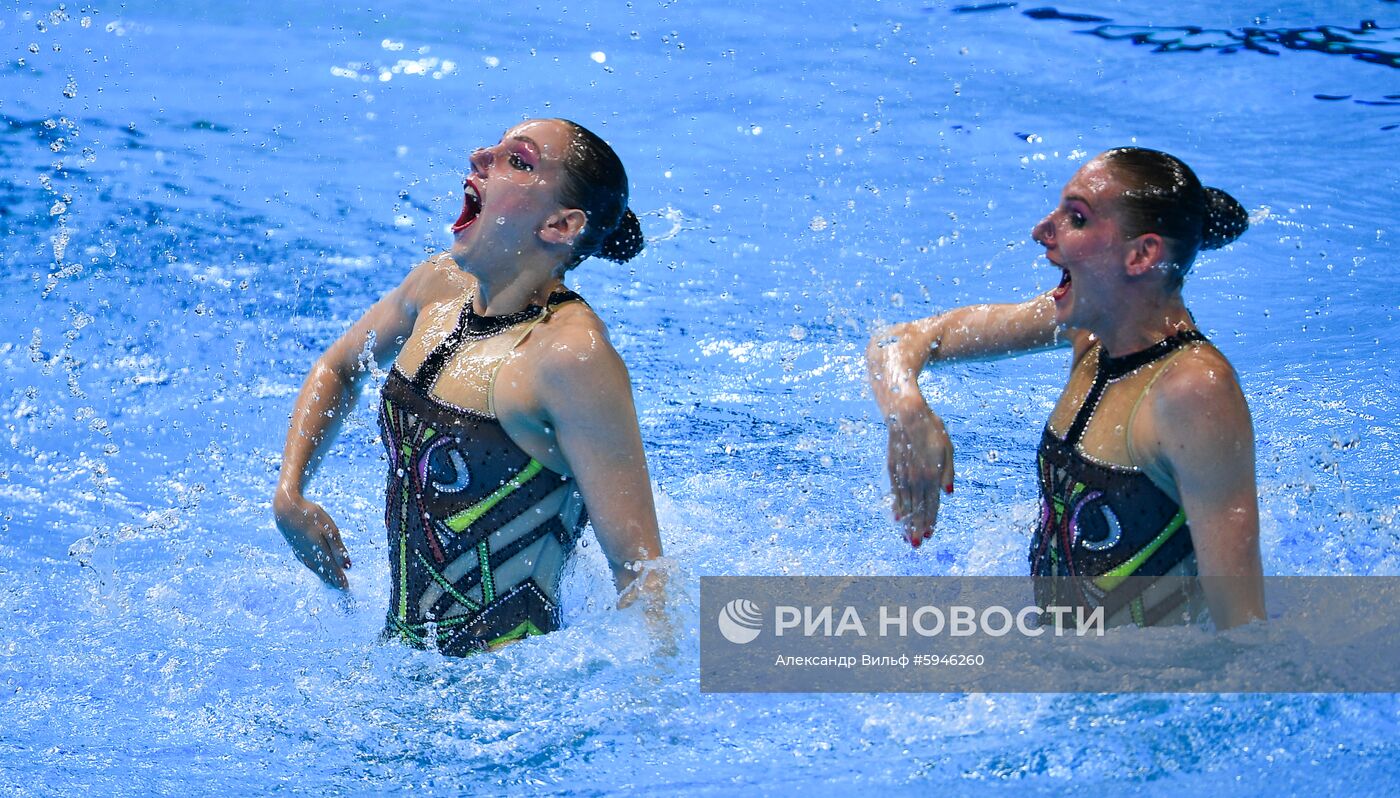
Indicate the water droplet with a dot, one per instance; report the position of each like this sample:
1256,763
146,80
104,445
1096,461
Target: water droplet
598,56
500,220
817,224
34,48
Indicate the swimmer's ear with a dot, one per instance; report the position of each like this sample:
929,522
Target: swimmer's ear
1145,253
563,227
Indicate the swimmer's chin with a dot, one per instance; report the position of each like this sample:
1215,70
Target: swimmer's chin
461,258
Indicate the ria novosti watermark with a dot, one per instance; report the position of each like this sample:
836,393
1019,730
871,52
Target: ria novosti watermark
990,634
741,621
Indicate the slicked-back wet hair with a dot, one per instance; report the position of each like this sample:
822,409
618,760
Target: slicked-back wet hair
1163,196
596,183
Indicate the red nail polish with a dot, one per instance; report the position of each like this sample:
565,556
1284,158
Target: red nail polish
948,489
916,542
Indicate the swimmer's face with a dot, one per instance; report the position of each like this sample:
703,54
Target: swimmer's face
511,196
1083,237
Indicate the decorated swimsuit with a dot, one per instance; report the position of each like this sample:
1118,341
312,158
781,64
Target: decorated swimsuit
1102,523
478,530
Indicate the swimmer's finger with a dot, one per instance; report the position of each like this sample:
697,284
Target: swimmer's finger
904,492
336,548
909,524
928,514
336,557
920,478
330,552
316,555
912,491
916,522
329,570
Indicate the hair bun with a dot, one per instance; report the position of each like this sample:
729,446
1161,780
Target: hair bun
1225,219
625,241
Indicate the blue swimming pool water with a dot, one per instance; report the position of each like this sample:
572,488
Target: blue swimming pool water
194,201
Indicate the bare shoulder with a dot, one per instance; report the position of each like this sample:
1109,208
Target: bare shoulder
1200,390
572,348
574,332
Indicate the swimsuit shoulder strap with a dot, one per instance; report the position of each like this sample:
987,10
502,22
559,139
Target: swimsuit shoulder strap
433,364
555,299
1146,389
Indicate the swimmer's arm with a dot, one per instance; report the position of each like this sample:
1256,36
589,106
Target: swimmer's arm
586,394
897,354
920,458
1206,441
326,397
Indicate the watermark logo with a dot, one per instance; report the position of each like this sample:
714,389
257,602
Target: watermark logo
740,621
990,634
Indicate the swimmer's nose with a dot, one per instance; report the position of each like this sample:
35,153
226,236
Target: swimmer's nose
481,158
1044,232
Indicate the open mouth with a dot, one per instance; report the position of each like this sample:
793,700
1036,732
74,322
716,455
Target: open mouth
1063,287
471,207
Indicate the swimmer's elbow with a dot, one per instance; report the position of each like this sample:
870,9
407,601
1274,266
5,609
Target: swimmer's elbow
890,345
330,373
875,348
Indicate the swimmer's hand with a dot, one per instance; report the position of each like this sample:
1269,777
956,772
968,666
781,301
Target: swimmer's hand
921,469
314,538
649,587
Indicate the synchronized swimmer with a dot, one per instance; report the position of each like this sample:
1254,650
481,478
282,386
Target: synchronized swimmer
508,416
1146,466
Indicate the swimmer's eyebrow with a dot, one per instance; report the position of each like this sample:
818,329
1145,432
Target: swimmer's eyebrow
529,141
1078,198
